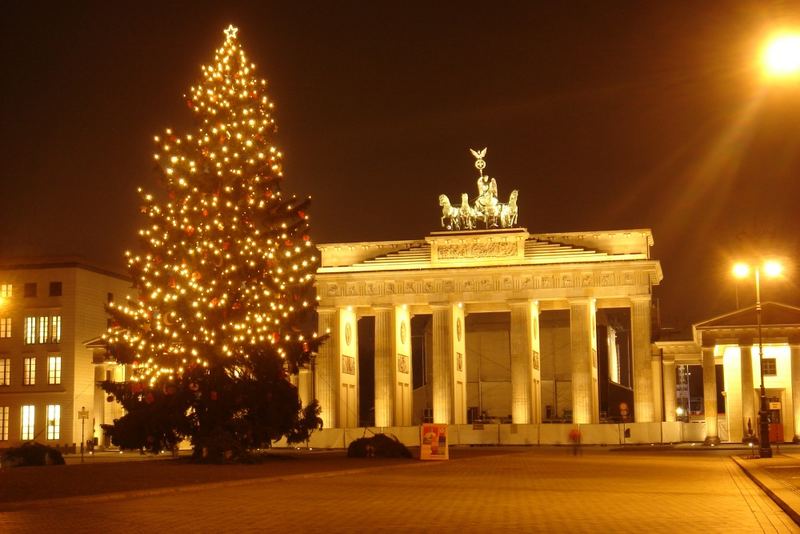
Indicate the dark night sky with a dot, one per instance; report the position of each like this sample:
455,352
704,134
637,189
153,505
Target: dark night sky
605,115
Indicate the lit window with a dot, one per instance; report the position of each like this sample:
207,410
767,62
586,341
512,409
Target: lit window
53,421
54,370
30,330
5,327
55,329
44,323
770,368
3,423
43,329
5,290
28,417
29,371
5,372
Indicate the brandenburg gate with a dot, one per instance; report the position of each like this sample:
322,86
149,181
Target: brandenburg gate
480,262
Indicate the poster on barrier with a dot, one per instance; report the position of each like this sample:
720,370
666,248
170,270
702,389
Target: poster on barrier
433,442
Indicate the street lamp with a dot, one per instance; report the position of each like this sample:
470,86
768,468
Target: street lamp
771,269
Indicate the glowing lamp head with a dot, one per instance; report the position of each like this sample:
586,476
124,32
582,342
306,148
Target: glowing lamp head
679,411
773,268
782,55
741,270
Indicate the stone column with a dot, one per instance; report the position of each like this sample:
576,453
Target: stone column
536,374
304,386
655,369
643,407
521,362
670,404
327,366
583,350
794,346
710,396
442,379
384,366
404,388
748,391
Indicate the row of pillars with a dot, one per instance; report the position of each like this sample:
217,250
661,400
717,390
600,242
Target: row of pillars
336,366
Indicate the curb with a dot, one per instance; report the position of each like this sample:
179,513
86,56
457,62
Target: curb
765,487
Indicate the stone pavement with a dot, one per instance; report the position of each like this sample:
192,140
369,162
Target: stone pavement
528,490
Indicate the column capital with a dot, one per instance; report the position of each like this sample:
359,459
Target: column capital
640,298
383,306
581,300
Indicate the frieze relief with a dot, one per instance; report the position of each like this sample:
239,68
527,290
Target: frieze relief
499,282
477,250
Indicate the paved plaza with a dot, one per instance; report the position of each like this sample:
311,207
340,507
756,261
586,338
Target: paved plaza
523,490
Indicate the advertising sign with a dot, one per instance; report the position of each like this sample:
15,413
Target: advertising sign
433,442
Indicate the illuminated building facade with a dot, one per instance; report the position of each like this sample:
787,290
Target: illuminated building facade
513,327
724,351
48,310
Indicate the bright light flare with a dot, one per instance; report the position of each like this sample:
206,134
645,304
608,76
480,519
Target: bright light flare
773,268
782,55
741,270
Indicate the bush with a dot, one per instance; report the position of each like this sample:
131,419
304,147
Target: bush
379,445
31,453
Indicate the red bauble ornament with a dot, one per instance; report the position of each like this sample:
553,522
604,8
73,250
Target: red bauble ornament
302,214
196,275
205,213
189,230
236,306
226,245
149,398
213,395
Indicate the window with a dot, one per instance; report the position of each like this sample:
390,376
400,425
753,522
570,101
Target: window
5,327
29,371
54,370
28,417
43,329
5,291
53,421
3,423
30,289
770,369
30,330
55,289
5,372
55,329
44,323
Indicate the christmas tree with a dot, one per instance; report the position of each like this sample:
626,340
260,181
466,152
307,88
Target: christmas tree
225,282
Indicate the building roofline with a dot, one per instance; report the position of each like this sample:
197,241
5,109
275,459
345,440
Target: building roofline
59,262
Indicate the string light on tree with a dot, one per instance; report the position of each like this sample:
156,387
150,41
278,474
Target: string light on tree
226,266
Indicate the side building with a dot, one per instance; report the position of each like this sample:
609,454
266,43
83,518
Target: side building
48,310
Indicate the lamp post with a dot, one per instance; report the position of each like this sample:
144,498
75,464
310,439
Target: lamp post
771,269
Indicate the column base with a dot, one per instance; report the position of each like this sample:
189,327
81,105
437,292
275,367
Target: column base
796,439
711,441
750,440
